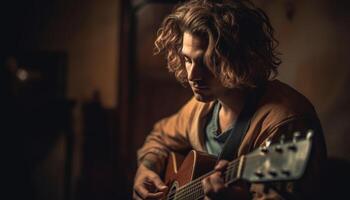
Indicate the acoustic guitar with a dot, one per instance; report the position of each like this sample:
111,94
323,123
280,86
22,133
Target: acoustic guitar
285,161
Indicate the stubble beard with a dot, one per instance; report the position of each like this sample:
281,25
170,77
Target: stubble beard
203,98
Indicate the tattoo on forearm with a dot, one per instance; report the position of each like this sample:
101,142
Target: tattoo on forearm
150,164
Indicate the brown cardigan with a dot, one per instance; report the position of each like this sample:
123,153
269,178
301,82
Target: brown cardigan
281,110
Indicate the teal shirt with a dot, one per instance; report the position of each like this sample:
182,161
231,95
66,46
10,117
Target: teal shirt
214,141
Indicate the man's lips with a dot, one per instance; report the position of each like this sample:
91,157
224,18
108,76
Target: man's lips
200,87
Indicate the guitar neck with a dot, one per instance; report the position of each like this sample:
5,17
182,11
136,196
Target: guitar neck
194,190
279,162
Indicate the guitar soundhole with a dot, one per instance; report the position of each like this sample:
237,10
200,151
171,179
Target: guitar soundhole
172,191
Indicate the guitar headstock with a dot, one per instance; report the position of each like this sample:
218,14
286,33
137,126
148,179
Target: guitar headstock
278,162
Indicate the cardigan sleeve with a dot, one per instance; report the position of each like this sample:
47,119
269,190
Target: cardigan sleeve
169,134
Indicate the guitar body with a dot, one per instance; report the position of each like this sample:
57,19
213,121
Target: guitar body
182,170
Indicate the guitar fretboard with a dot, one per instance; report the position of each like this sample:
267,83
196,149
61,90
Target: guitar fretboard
194,190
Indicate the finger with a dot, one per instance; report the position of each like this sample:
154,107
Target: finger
207,187
159,183
222,164
142,192
217,182
135,196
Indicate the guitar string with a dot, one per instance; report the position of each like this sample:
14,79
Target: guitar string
183,190
193,183
195,189
188,187
181,193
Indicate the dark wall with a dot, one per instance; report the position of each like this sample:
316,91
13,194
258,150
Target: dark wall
85,33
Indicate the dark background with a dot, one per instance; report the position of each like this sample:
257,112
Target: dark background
80,89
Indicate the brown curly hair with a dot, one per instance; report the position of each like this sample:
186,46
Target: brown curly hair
241,48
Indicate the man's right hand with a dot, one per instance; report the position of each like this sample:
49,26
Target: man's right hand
148,185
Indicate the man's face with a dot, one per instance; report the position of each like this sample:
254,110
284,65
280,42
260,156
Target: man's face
202,81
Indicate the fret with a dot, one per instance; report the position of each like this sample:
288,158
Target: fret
194,189
227,173
240,167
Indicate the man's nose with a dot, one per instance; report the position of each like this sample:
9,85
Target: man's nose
194,73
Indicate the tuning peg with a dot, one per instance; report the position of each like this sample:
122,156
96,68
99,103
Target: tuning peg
309,134
264,150
267,143
273,172
286,172
292,147
282,138
259,173
296,136
278,149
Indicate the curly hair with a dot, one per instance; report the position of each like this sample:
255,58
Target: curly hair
241,48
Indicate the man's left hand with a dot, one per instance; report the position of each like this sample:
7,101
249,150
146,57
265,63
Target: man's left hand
215,188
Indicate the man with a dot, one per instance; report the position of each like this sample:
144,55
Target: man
225,51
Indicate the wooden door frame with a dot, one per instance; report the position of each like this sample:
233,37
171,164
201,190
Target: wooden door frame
127,69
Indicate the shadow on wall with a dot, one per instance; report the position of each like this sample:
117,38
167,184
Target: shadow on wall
35,125
97,169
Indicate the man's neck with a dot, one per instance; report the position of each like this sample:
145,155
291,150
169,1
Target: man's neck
231,105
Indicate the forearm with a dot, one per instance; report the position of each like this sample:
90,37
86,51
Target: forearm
153,162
